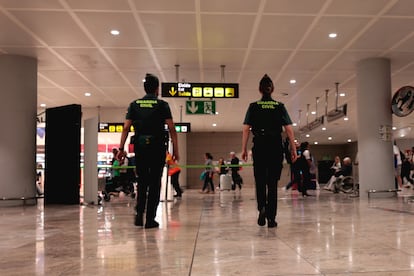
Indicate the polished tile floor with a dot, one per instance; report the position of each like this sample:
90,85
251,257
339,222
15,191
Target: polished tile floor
213,234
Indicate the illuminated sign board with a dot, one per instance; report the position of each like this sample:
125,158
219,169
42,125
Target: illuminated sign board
182,127
118,127
113,127
200,90
200,107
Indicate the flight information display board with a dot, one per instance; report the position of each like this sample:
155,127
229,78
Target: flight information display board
200,90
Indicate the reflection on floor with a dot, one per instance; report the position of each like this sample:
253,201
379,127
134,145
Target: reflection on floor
214,234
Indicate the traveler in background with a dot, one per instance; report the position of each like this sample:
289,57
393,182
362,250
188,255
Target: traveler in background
123,172
397,166
406,172
265,119
39,179
114,157
336,166
174,174
305,164
295,174
344,170
221,166
149,116
237,180
208,173
221,169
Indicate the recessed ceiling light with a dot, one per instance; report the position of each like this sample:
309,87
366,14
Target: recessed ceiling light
333,35
214,125
115,32
307,135
316,142
87,94
324,128
294,124
342,94
217,113
394,128
292,81
346,119
329,138
42,105
349,141
313,112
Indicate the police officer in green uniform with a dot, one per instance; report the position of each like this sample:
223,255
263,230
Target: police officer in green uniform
265,119
149,116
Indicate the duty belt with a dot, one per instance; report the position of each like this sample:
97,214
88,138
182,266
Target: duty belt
263,132
147,140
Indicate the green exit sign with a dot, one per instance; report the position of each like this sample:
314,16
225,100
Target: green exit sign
200,107
183,127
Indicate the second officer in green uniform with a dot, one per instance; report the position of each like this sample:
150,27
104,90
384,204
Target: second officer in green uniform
149,116
265,119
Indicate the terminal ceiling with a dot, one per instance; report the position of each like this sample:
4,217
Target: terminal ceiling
287,39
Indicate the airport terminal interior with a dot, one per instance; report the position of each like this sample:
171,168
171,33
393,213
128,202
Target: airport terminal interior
343,68
214,234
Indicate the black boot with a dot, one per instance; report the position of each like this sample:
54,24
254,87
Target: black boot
271,223
151,224
261,220
139,221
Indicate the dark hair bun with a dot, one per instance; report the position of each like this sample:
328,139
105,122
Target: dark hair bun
151,83
266,85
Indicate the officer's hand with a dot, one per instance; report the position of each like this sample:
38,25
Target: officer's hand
244,155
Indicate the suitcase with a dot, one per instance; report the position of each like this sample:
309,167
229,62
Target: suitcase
225,182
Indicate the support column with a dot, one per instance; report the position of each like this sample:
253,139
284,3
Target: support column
375,154
18,86
90,172
182,147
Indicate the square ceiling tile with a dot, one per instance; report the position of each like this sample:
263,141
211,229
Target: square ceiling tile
281,32
226,31
171,30
63,31
99,25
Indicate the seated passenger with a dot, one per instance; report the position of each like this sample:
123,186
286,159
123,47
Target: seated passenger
406,172
345,170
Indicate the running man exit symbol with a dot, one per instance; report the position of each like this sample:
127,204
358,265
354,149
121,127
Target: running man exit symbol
200,107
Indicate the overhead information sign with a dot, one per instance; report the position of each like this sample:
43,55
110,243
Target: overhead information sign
200,90
113,127
118,127
200,107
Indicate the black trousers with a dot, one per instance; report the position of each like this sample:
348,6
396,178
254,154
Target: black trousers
267,166
235,176
208,180
175,183
306,179
150,160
